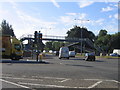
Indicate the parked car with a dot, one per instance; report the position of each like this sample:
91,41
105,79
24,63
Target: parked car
64,52
90,56
50,51
56,53
115,55
71,53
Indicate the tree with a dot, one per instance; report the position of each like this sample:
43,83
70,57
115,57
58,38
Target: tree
115,39
108,42
6,28
77,31
102,33
55,46
48,45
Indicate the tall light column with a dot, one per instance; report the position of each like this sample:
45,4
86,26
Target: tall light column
81,32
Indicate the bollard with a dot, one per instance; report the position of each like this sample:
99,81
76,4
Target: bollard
40,57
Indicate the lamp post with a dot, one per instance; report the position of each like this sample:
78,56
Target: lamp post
81,32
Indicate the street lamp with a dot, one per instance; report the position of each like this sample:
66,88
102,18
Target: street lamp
81,31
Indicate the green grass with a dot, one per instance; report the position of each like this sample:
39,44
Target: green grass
107,57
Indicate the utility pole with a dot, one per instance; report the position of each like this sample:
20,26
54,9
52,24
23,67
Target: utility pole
81,32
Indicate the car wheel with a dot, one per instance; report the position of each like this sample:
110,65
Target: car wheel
67,57
59,57
93,59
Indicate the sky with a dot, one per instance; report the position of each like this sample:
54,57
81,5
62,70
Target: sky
53,17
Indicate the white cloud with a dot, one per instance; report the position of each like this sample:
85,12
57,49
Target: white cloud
31,24
110,16
116,16
98,22
111,28
73,14
107,9
82,16
66,19
55,3
73,18
24,23
85,3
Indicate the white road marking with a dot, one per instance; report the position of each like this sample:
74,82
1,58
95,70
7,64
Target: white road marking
61,80
92,86
7,75
92,79
113,81
22,78
14,83
48,77
48,85
102,80
64,80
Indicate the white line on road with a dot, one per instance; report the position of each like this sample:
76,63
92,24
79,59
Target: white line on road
64,80
22,78
92,79
92,86
14,83
103,80
48,77
113,81
48,85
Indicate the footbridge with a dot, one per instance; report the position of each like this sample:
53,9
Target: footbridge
74,41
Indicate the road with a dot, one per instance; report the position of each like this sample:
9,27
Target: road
55,73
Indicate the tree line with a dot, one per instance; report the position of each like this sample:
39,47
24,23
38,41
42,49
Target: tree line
107,42
6,29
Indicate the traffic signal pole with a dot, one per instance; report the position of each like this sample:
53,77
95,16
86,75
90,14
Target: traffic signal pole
38,42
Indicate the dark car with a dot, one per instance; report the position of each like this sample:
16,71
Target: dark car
90,56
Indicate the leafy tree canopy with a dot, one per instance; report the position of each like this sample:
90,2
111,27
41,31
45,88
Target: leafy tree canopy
78,32
6,28
102,33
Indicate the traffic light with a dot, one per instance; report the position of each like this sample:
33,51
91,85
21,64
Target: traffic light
35,37
40,37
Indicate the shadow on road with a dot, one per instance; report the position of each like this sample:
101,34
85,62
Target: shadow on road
82,59
78,65
24,62
99,61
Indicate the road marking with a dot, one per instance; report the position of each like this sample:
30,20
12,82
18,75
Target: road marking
48,77
64,80
92,86
7,75
14,83
113,81
102,80
92,79
22,78
48,85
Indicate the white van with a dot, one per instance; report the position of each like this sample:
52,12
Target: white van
64,52
71,53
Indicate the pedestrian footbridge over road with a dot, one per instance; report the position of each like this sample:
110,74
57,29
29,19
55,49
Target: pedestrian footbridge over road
75,41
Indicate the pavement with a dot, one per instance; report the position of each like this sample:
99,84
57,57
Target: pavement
72,73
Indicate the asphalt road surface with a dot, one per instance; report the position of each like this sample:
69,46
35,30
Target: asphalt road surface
56,73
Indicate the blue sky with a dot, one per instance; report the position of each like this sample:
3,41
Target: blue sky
56,18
